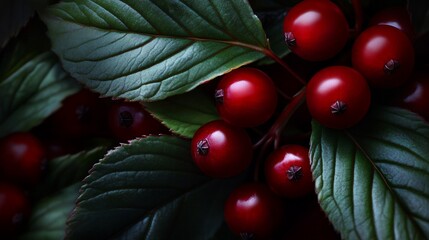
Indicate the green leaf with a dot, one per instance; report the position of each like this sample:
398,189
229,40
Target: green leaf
49,216
149,189
184,114
69,169
31,89
149,50
14,14
372,180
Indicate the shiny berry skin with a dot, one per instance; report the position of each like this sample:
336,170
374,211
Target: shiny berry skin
22,158
221,150
315,30
14,209
397,17
253,211
415,95
129,120
338,97
288,171
384,56
246,97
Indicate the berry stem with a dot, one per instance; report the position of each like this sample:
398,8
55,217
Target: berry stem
258,162
273,135
357,8
273,56
283,94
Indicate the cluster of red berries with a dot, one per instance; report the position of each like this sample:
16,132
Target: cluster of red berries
339,96
382,57
246,98
24,155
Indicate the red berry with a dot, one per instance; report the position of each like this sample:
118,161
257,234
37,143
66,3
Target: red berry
246,97
288,171
315,30
22,158
79,115
384,56
129,120
221,150
14,209
415,96
338,97
253,211
397,17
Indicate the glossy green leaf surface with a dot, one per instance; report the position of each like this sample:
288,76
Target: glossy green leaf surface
49,216
184,114
149,189
31,88
372,180
150,50
67,170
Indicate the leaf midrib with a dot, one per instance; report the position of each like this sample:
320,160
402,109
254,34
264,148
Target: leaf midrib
378,171
235,42
151,213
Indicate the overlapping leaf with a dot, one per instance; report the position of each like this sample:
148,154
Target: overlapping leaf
49,216
372,181
31,88
185,113
149,189
149,50
14,14
67,170
57,193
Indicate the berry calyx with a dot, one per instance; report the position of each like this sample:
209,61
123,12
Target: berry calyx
338,107
221,150
315,30
384,56
79,116
288,171
253,211
338,97
290,39
22,158
294,173
391,66
246,97
203,147
128,120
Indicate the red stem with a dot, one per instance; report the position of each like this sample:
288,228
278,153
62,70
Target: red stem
258,161
273,135
357,7
284,117
273,56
